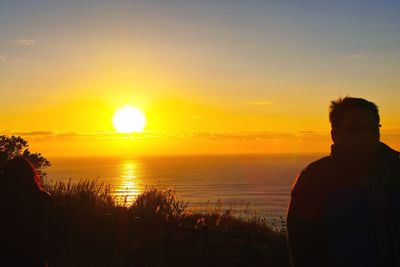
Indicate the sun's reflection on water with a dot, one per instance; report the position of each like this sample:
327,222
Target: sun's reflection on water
128,188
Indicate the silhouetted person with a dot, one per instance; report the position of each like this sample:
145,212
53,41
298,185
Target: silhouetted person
26,211
345,208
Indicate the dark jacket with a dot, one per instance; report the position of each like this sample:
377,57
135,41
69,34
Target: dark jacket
345,211
24,229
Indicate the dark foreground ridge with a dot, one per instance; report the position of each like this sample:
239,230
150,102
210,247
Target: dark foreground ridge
91,229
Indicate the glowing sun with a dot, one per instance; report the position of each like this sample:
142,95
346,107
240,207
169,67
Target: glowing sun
129,119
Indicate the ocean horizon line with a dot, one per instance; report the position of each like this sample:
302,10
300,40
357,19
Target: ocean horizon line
132,157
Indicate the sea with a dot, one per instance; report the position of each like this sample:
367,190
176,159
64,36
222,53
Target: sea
246,184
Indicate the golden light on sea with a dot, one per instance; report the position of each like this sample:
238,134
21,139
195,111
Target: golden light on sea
128,189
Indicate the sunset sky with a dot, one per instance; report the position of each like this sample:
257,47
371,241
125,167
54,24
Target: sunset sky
212,77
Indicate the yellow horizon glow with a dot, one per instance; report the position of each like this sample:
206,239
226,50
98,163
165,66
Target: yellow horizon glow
178,126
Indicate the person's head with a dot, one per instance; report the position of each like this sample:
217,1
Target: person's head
355,124
19,174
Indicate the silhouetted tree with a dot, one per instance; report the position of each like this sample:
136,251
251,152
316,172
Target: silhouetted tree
14,146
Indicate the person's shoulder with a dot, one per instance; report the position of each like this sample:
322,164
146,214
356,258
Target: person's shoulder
389,152
46,199
320,166
312,177
45,195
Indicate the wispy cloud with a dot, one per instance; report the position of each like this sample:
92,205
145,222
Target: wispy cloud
307,133
20,60
2,59
50,135
358,56
26,42
260,103
260,136
33,133
245,136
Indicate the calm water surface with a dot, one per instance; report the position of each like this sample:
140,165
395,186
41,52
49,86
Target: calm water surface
262,180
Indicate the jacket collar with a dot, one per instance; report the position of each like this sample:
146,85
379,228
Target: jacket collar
383,151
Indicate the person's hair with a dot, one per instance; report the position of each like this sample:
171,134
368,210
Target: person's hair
340,106
19,172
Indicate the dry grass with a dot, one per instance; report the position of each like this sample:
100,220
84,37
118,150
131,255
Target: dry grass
91,226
